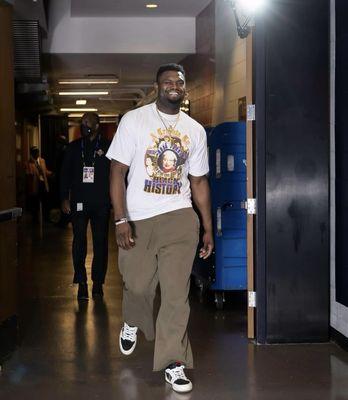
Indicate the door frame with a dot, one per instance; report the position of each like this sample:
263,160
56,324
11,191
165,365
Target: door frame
250,188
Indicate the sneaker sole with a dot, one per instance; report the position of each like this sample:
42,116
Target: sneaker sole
126,352
180,388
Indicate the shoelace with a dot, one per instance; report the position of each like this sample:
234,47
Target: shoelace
178,373
129,333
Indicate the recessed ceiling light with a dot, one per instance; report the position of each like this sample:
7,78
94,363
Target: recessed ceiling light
75,115
78,109
81,102
151,5
83,93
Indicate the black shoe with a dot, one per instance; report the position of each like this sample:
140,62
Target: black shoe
97,290
82,293
175,376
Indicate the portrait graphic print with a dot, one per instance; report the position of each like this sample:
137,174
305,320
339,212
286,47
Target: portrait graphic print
165,161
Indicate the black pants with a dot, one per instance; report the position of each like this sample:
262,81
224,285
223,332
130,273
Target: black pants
98,215
34,203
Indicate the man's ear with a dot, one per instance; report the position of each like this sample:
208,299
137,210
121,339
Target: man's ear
155,85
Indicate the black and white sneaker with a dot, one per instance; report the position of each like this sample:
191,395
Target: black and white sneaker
128,339
175,375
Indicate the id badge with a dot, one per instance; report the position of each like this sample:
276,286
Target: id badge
88,175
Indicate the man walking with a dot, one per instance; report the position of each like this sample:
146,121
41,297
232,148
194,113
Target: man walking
164,152
85,195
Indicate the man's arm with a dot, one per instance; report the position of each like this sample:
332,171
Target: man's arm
201,197
123,230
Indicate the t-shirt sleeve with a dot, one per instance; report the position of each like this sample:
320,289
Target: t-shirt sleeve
198,160
122,147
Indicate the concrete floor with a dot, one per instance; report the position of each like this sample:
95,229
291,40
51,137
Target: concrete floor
70,350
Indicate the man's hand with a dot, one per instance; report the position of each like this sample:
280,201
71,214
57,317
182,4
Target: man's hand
66,207
124,237
208,245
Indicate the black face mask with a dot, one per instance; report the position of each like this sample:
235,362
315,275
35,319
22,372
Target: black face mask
85,131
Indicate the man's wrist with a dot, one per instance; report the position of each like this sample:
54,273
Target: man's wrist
120,221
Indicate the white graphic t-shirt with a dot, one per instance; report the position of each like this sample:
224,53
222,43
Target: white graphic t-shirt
160,150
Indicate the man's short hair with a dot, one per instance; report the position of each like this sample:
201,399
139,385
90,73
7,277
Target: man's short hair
95,115
169,67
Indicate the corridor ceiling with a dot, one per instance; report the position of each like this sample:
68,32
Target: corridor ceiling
136,8
134,71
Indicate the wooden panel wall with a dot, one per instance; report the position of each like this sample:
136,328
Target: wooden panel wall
8,234
230,65
200,68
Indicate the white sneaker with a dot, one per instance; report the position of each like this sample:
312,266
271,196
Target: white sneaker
175,375
128,339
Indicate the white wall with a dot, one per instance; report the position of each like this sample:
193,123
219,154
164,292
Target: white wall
116,35
230,68
339,313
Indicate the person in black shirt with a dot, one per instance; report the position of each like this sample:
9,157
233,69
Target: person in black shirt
85,196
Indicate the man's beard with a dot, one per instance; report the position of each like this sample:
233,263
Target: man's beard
173,102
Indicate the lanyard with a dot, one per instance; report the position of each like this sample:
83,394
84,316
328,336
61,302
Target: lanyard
94,153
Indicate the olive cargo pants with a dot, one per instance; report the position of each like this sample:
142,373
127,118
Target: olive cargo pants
165,247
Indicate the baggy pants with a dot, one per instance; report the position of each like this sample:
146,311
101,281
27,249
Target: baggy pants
99,217
165,247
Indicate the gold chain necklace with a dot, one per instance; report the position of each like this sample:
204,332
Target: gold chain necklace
170,128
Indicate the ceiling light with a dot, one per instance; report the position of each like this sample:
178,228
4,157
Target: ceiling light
81,102
244,12
78,109
75,115
79,115
250,5
89,82
152,5
83,93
